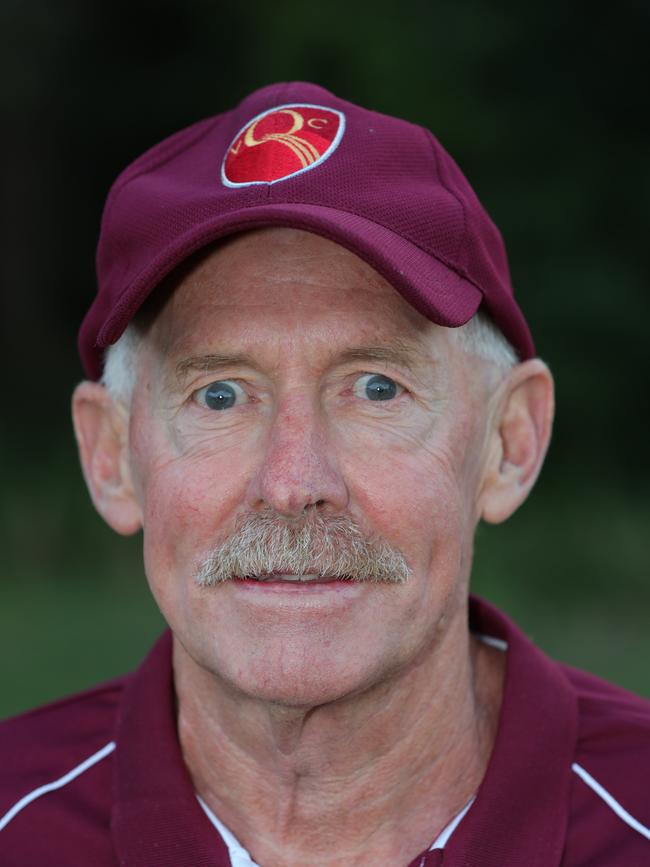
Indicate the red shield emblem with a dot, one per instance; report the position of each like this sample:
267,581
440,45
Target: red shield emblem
281,143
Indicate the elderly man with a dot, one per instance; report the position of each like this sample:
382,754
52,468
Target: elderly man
317,383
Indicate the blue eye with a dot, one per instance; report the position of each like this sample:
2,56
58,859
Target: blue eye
376,386
222,394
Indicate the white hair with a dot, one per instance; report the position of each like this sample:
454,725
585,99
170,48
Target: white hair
480,337
121,364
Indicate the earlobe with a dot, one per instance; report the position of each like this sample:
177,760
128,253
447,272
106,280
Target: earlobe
101,429
520,439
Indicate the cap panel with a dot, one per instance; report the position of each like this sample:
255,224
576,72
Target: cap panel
388,182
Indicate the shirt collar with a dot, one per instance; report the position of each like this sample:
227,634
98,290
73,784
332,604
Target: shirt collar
519,815
240,857
522,805
156,819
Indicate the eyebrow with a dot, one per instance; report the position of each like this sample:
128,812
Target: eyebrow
213,361
399,352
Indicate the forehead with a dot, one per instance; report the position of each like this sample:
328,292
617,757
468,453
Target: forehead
281,281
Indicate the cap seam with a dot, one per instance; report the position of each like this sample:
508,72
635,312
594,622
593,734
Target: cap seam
125,178
443,181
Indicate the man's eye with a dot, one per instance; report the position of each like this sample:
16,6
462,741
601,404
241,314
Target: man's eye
376,386
222,394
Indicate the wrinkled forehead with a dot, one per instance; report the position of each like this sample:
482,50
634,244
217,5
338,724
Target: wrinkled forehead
278,284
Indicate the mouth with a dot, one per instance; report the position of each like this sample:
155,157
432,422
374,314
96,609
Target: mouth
286,578
312,589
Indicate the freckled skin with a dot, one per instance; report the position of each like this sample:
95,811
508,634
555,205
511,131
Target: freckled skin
404,469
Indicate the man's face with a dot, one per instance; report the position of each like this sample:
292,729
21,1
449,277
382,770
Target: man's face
258,393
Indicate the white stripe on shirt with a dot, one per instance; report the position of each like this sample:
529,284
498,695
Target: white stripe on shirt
56,784
611,801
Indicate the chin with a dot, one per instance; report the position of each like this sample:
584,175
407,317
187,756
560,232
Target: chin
306,681
293,694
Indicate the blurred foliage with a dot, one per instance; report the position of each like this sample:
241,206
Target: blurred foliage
544,107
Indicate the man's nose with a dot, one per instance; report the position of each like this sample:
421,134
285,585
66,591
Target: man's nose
298,468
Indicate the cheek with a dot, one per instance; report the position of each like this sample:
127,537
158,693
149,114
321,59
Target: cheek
186,500
418,489
412,499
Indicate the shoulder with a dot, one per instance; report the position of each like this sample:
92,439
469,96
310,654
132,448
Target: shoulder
610,806
614,725
45,740
51,757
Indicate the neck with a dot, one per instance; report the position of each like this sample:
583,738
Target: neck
370,778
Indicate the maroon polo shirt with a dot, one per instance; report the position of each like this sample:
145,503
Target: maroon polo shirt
98,779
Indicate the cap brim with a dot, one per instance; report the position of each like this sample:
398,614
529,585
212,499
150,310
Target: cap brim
430,286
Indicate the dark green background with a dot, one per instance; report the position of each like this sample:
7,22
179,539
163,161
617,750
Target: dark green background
545,108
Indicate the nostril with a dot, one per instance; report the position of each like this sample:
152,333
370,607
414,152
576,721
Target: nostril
317,506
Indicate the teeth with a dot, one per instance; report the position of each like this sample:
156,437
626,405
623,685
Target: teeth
284,577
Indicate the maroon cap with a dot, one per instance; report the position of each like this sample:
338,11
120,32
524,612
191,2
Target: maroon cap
296,155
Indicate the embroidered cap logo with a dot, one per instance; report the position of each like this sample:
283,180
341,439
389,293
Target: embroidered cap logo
280,143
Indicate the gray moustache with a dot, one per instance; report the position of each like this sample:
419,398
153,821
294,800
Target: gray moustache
332,546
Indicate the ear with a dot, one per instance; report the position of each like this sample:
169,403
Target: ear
519,440
101,428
